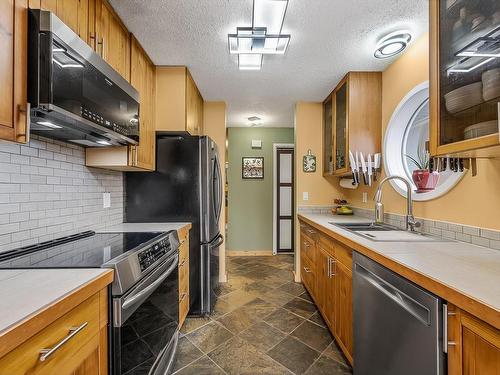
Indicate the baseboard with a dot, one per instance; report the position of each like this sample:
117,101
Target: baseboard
249,253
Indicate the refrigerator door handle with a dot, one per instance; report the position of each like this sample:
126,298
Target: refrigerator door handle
218,175
217,241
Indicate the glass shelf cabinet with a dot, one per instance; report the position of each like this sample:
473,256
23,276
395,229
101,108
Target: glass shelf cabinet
465,77
352,116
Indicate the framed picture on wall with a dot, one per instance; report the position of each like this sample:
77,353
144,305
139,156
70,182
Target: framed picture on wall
252,168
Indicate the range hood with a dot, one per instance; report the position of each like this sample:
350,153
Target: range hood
75,95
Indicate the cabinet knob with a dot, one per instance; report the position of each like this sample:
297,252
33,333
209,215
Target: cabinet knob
308,270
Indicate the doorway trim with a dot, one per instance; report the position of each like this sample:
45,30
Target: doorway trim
276,146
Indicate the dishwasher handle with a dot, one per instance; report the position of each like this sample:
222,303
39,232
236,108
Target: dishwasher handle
416,309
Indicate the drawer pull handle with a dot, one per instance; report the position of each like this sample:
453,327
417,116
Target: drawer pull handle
183,295
307,270
306,244
73,331
183,262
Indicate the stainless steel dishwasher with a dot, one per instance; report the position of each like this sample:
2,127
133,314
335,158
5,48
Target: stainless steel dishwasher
398,326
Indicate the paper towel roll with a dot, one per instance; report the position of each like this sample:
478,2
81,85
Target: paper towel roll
347,183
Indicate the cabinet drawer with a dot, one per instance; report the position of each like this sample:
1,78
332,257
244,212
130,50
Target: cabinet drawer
307,272
183,276
308,248
327,243
343,255
309,231
184,251
183,307
70,348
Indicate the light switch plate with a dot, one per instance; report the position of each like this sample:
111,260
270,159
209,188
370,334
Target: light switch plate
106,200
305,196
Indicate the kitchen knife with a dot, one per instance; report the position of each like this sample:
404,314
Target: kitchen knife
376,166
370,169
353,168
364,170
358,166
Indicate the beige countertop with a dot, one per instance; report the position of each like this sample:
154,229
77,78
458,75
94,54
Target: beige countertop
25,293
466,275
145,227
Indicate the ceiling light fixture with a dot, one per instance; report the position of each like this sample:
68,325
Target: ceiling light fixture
254,121
249,61
392,44
263,38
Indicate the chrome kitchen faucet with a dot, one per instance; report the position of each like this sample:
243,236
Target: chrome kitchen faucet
411,223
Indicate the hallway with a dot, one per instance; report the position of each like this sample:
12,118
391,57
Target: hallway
263,323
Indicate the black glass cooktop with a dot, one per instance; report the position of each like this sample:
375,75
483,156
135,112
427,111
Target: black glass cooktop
83,250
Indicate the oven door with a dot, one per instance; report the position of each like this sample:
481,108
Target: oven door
146,323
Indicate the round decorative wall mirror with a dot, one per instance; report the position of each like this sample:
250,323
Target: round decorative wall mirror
405,148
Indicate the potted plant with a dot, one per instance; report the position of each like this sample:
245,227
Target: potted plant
424,179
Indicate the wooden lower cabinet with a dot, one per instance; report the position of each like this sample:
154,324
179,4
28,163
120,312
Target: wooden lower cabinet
473,345
82,336
183,277
326,271
343,329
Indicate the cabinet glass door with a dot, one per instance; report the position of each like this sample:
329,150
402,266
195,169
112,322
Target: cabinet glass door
469,76
327,137
340,126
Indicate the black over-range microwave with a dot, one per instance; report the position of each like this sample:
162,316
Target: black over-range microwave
74,94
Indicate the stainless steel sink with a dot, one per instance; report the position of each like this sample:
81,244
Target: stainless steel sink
356,227
387,233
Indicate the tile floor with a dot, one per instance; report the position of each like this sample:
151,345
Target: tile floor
263,323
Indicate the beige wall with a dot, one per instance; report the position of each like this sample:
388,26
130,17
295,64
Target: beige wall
308,135
322,191
214,124
475,200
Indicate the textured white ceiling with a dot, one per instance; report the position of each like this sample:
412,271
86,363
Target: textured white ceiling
329,38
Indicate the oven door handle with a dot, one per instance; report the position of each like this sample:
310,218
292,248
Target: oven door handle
130,301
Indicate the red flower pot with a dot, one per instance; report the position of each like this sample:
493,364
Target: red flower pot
425,180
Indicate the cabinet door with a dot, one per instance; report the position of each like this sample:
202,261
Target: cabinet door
14,122
340,127
343,307
194,107
325,292
464,76
474,346
74,13
328,135
142,79
114,39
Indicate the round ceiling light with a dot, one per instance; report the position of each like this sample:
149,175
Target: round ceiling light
392,44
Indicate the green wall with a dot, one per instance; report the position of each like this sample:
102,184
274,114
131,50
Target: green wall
250,225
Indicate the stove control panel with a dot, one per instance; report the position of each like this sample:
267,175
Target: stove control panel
153,253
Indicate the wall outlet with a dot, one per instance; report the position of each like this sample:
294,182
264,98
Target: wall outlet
305,196
365,197
106,200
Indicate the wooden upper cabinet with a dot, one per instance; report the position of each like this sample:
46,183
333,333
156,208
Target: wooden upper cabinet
180,101
352,120
328,136
464,78
113,38
141,157
473,345
14,121
74,13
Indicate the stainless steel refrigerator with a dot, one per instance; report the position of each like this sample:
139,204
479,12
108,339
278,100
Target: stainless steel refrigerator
186,186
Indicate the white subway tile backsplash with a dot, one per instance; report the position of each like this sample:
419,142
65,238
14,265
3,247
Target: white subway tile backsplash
472,231
490,234
46,191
